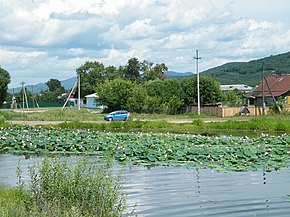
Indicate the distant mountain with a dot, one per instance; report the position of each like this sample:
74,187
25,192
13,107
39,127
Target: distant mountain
172,74
67,84
250,73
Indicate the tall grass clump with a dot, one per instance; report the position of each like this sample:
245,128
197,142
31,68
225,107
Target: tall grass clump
60,187
2,119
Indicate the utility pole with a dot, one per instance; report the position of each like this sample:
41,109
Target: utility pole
24,96
22,83
79,91
263,94
198,94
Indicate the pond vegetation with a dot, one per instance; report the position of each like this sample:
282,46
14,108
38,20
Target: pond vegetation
152,149
62,187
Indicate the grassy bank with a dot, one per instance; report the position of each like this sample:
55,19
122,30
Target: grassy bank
252,127
185,123
64,188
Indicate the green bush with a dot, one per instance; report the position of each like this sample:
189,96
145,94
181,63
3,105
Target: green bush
61,187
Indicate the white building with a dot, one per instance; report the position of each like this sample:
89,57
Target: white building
242,87
91,101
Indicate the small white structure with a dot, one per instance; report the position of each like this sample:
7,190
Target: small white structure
92,101
242,87
73,102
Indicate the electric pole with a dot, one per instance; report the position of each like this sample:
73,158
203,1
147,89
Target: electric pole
24,96
198,94
263,94
79,91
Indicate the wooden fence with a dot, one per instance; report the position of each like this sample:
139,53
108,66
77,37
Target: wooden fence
229,111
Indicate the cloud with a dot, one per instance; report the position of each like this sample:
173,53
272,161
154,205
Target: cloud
45,38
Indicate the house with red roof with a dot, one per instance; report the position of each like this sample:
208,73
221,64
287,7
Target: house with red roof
277,86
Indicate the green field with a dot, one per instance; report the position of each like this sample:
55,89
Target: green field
159,123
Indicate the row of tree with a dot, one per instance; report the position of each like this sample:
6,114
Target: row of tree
137,86
142,87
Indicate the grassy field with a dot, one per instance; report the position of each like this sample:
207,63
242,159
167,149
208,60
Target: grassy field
183,123
72,114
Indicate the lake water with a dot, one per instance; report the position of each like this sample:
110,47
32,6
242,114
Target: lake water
175,191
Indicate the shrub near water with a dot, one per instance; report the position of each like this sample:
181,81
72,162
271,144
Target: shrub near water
67,188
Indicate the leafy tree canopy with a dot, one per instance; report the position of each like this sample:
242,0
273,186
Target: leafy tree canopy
133,68
115,93
4,81
210,91
54,85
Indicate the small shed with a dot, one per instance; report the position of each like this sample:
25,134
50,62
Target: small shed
92,101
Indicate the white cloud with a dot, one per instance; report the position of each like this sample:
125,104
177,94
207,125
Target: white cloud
45,38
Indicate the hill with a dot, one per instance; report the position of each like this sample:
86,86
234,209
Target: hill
67,84
172,74
250,73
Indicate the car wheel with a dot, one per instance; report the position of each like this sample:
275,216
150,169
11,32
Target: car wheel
110,119
125,119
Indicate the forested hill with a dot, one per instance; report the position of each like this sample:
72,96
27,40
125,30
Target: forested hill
250,73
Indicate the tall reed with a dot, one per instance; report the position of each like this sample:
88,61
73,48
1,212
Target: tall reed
62,187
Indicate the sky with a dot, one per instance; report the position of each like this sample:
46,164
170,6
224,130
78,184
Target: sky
44,39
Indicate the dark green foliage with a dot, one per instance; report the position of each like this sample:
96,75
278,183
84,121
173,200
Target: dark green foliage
54,85
133,69
94,73
210,92
116,93
250,73
4,81
151,72
53,94
164,96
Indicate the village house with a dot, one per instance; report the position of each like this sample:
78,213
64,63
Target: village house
274,86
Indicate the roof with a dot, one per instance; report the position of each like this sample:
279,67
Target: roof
242,87
279,85
93,95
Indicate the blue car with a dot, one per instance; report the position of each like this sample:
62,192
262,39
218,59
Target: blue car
120,115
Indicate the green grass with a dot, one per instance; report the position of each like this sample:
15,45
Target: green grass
80,187
52,114
251,127
193,124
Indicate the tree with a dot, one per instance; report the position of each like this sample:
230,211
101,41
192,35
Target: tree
151,72
133,68
137,100
54,85
4,81
231,97
115,93
164,96
91,74
210,91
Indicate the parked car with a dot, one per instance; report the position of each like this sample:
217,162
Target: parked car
120,115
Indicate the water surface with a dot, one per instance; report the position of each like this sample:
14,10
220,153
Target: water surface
177,191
